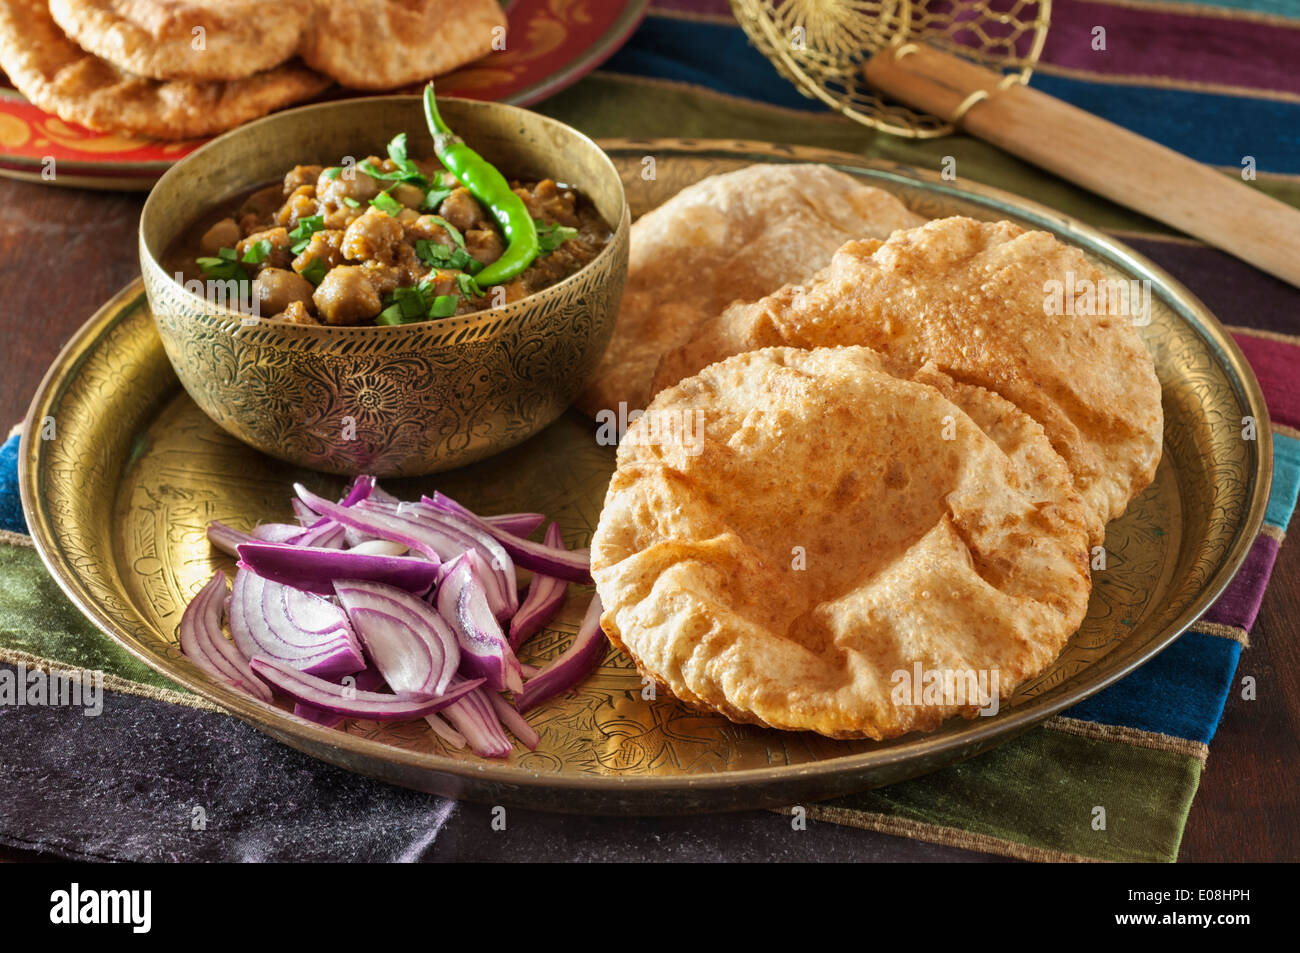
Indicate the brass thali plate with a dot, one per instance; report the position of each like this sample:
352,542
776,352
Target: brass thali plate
118,502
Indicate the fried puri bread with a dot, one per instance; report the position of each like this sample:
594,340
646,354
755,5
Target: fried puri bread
60,77
788,530
972,297
730,237
380,44
185,39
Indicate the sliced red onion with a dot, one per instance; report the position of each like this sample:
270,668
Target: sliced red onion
277,532
360,489
380,547
315,569
528,671
381,495
578,661
368,680
475,718
305,515
226,539
296,628
326,534
410,644
353,537
544,598
463,603
502,584
433,541
571,565
352,703
203,643
514,722
445,731
520,524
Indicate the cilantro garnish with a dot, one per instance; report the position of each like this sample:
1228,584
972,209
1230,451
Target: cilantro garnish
551,237
386,203
304,230
314,271
406,170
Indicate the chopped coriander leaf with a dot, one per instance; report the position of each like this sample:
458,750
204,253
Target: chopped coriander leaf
333,172
397,149
437,255
390,315
411,301
444,306
315,270
304,230
434,197
350,202
467,286
551,237
257,252
434,254
451,229
386,203
406,170
227,254
222,269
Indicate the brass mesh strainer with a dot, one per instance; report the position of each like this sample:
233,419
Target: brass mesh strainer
821,45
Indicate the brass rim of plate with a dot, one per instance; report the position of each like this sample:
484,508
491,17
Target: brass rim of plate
77,564
822,45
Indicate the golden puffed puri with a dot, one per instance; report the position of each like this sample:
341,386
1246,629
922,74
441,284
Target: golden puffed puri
382,44
731,237
788,529
60,77
973,298
185,39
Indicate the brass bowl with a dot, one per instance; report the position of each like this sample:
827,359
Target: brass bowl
392,401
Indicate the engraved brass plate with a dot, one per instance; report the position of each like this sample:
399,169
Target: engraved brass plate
118,503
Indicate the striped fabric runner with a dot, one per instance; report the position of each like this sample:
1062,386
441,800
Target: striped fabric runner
1214,81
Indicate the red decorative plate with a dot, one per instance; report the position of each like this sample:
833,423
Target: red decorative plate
551,44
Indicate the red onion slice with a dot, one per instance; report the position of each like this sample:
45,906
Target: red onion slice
544,598
514,722
226,538
520,524
462,602
203,643
360,489
578,661
475,718
326,534
367,681
574,565
410,644
502,584
296,628
276,532
351,702
306,516
379,547
315,569
445,731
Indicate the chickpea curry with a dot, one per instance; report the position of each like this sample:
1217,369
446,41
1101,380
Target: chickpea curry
395,240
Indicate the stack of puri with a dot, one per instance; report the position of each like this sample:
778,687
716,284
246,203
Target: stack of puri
181,69
870,447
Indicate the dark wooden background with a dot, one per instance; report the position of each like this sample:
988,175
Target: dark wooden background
65,251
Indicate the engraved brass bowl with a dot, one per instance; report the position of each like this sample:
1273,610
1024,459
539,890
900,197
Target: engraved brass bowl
395,401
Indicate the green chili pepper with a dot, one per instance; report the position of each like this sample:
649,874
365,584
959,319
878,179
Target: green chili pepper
490,187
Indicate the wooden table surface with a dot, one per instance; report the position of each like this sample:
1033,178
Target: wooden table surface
65,251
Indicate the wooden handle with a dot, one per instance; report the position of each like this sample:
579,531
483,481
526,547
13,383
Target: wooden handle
1096,154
